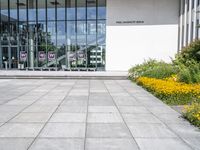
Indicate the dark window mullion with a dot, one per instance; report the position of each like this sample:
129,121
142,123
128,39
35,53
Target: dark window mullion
76,47
86,35
18,37
46,32
27,29
66,36
9,24
96,30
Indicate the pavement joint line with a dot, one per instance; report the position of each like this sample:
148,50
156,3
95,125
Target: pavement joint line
161,120
86,122
24,108
51,115
122,117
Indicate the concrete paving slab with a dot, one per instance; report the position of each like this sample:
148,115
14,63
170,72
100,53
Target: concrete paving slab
11,108
104,118
40,109
75,103
118,130
72,109
4,117
161,144
58,144
172,118
15,143
110,144
162,110
63,130
101,102
31,118
68,117
20,130
141,130
102,109
140,118
133,110
185,130
193,142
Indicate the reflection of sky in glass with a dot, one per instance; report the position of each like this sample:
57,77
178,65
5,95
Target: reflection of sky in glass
71,14
81,13
102,13
51,14
61,14
61,33
91,12
13,14
41,14
32,14
22,14
71,32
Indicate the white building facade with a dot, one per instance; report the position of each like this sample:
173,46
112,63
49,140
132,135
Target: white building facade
140,29
111,35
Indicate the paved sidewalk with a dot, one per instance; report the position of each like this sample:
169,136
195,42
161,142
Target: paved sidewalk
88,115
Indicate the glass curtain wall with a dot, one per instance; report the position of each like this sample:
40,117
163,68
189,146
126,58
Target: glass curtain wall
66,34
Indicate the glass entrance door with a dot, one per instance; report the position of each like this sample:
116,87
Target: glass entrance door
14,58
9,58
5,58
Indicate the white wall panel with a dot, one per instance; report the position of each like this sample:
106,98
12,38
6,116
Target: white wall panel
129,44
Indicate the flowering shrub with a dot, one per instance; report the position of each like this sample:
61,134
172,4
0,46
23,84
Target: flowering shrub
192,113
170,91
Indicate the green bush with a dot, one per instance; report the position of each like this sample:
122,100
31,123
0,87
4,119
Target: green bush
153,69
191,52
189,72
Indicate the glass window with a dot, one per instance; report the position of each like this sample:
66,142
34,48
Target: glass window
51,11
91,27
61,10
81,32
51,35
91,34
61,33
41,10
91,9
4,10
13,10
71,10
41,31
81,9
101,32
13,33
22,10
71,32
102,9
32,10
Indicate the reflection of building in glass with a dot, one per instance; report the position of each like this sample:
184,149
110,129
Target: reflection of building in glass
70,30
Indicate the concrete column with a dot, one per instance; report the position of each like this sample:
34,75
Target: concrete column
181,25
185,24
195,19
9,57
31,54
189,21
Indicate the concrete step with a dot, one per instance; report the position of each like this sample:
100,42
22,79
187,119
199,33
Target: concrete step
108,75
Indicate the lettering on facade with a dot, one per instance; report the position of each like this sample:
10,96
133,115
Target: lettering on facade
131,22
